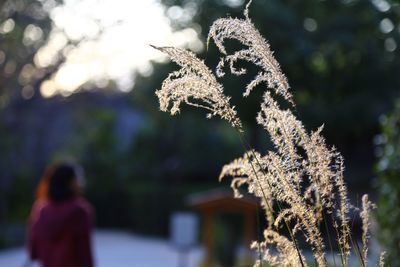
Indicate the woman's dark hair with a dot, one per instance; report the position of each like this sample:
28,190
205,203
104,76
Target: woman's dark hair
57,183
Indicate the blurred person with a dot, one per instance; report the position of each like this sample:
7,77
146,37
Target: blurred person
61,220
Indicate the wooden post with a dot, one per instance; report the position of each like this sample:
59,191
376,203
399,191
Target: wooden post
208,237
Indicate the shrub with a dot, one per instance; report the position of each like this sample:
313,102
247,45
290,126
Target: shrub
388,169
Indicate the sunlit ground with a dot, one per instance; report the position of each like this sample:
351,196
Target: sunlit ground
113,248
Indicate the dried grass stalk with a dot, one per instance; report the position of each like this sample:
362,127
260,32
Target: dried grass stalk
301,174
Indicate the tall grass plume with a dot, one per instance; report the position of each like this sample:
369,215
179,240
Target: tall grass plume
302,175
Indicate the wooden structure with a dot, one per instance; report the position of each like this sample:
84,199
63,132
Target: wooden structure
217,202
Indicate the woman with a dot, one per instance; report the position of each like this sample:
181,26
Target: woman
61,220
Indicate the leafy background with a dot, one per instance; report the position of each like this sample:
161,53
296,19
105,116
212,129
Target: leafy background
342,62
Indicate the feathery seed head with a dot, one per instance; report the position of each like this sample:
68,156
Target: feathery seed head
301,173
195,85
364,214
258,52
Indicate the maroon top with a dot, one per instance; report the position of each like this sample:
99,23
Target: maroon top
60,233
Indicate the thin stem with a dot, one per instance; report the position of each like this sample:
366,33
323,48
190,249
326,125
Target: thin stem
357,249
355,245
244,144
258,234
342,256
329,237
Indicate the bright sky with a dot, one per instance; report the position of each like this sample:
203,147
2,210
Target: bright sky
128,27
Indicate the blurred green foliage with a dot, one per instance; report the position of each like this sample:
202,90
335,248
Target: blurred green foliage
334,54
388,168
139,185
20,199
338,58
20,76
341,61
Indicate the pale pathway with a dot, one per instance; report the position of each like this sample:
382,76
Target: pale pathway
119,249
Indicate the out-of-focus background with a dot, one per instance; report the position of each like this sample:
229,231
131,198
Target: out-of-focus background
77,81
